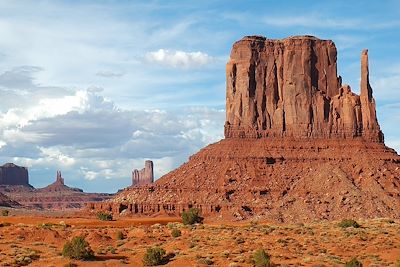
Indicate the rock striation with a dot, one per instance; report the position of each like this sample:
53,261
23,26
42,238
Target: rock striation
143,176
290,88
299,145
11,174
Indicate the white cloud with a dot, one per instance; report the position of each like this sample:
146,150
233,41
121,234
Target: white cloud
179,59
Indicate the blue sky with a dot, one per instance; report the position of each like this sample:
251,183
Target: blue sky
93,88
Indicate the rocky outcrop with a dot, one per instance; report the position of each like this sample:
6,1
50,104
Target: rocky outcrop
143,176
5,201
11,174
290,88
299,146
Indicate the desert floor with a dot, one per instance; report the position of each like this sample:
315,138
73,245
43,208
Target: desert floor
41,237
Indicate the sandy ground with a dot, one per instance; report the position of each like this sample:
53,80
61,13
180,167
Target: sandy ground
375,243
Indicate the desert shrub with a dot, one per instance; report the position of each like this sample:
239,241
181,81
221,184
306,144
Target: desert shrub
191,216
120,235
78,248
70,264
262,259
154,256
25,257
176,232
345,223
104,216
353,263
5,212
205,261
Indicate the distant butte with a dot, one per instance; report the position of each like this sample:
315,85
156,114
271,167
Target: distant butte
299,145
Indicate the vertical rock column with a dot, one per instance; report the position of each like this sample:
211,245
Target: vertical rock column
370,126
148,172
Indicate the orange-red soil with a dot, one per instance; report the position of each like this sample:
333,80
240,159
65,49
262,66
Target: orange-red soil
375,243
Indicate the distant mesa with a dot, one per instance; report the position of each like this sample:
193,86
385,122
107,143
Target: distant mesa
11,174
144,176
15,191
299,145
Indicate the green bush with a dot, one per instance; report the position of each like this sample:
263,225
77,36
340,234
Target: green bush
176,233
262,259
5,212
120,235
104,216
191,216
154,256
78,248
345,223
353,263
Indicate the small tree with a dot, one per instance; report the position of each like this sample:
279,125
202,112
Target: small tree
353,263
104,216
154,256
262,259
78,248
191,216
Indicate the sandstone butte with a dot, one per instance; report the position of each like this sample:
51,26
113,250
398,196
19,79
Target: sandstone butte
299,146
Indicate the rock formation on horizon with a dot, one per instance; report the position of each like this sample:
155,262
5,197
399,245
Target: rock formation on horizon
143,176
11,174
299,146
55,196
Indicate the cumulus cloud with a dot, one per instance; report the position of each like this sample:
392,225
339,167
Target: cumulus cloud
89,138
19,78
179,59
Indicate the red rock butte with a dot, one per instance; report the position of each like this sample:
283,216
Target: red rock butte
290,88
299,145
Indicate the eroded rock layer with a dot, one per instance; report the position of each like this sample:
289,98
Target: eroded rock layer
299,146
290,88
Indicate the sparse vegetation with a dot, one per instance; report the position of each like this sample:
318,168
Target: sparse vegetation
5,212
70,264
25,257
262,259
353,263
154,256
120,235
205,261
191,216
104,216
176,232
345,223
78,248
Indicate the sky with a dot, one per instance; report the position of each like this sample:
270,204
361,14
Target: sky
94,88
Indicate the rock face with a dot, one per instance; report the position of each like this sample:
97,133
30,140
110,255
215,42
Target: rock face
299,146
11,174
290,88
143,176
